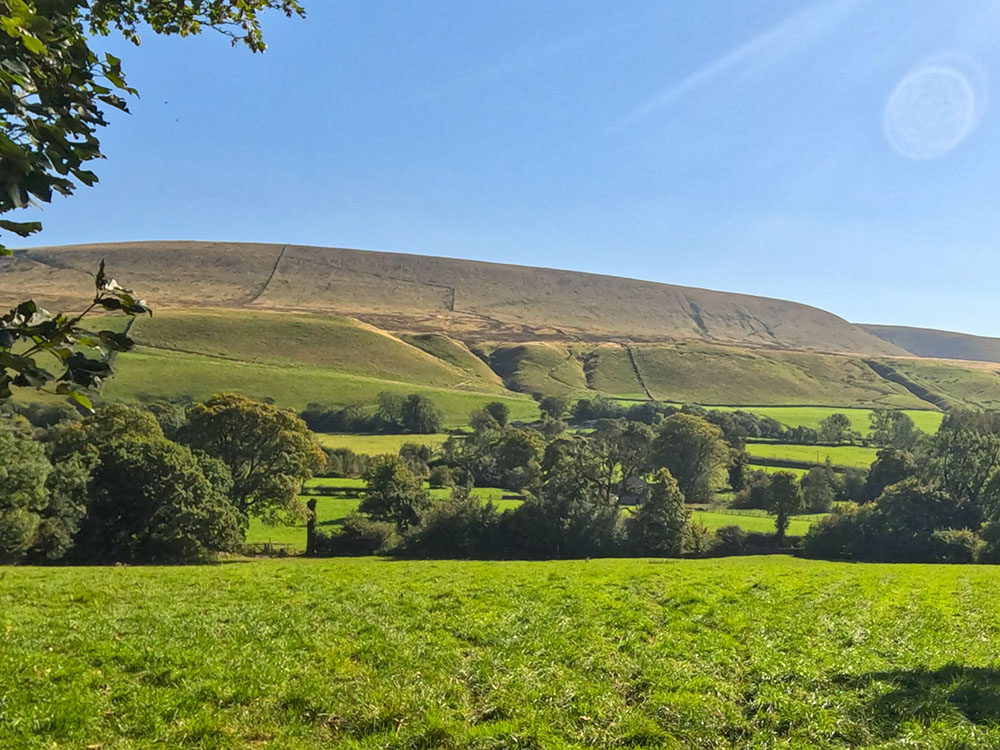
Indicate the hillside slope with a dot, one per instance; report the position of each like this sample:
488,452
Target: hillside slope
468,299
927,342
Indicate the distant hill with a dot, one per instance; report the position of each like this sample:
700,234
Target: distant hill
469,299
332,326
927,342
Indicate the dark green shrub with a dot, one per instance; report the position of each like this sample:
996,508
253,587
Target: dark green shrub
729,540
359,535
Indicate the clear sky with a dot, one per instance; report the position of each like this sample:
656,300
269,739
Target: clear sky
842,153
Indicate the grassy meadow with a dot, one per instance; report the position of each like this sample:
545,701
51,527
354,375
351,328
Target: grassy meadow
840,455
375,445
812,416
750,521
367,653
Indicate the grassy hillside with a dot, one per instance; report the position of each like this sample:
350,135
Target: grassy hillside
361,653
454,353
541,369
609,370
314,341
708,374
149,372
927,342
423,293
965,386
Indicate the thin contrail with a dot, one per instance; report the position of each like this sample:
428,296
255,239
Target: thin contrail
797,29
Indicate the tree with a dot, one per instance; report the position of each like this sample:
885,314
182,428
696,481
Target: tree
390,409
23,473
393,493
554,407
658,528
499,411
420,416
783,499
819,487
150,501
890,466
572,515
835,428
269,451
55,91
694,452
893,428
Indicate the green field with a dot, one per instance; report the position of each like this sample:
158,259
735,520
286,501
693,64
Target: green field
364,653
841,455
812,416
775,469
374,445
748,521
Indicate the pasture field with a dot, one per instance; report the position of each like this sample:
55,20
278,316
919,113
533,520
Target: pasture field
811,416
365,653
750,521
168,374
374,445
841,455
799,473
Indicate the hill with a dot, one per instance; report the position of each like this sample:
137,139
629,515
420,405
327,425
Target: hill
301,324
927,342
399,292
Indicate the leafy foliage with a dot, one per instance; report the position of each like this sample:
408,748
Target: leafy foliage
29,332
269,451
393,493
55,89
152,502
694,451
659,526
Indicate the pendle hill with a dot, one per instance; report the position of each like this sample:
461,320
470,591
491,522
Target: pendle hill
335,326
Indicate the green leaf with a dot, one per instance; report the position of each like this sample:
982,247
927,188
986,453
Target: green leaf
32,44
21,228
82,400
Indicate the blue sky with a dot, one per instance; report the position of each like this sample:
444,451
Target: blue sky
721,144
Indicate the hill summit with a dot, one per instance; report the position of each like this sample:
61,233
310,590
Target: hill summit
401,292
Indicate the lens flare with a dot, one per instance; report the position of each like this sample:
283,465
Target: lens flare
931,111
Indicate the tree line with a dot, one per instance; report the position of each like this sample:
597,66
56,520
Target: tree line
166,485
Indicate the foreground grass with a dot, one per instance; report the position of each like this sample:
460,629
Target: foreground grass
364,653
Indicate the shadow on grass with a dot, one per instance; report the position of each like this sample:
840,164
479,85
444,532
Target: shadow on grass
950,693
